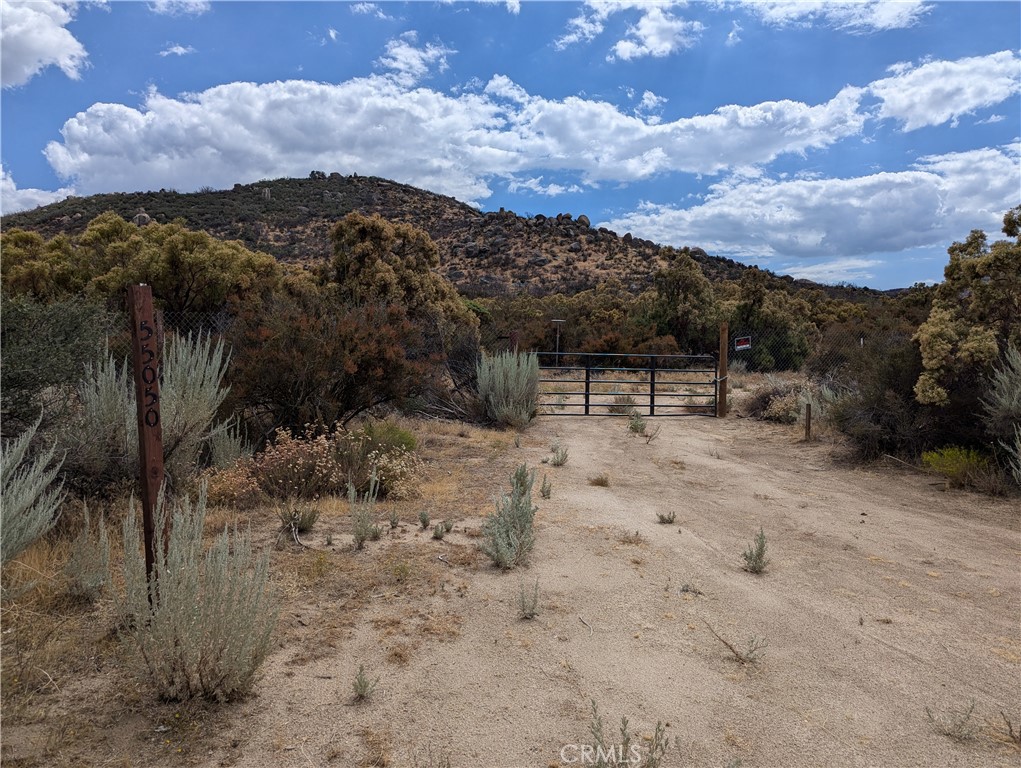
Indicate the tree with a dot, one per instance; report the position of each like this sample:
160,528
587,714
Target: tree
778,323
305,357
974,317
189,271
686,306
385,264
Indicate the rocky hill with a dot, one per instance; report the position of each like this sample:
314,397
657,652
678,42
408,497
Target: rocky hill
481,253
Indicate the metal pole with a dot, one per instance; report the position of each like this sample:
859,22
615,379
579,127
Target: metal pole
558,323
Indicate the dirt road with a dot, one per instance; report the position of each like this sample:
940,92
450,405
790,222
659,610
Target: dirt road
884,596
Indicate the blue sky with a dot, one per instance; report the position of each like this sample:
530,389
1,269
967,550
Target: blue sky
840,142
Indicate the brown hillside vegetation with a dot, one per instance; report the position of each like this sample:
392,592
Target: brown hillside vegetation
481,253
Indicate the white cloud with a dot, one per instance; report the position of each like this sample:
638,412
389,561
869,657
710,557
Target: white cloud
410,64
942,198
658,33
847,270
13,199
370,9
940,91
180,7
991,120
177,50
734,36
452,143
857,16
33,36
535,184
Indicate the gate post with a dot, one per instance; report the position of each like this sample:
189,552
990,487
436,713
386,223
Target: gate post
721,374
588,381
652,386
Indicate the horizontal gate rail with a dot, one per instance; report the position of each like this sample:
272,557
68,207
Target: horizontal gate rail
612,384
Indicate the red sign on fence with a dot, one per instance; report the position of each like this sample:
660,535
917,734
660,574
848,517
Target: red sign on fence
742,343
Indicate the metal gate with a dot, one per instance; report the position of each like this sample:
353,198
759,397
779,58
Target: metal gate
585,384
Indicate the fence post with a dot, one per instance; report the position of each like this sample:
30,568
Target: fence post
808,422
721,374
652,386
588,381
145,358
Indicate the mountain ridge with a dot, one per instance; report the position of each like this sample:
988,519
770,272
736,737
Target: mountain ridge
481,253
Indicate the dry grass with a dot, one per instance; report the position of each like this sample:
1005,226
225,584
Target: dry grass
51,647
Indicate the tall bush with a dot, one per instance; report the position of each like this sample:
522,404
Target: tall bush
508,386
203,625
101,439
1002,403
44,347
30,500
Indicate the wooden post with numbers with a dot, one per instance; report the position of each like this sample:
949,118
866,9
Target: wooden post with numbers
145,360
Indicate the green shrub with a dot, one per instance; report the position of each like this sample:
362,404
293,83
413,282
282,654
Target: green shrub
297,517
622,404
203,625
310,465
228,443
88,568
30,500
627,748
1002,403
44,348
507,534
962,467
755,560
508,386
363,513
101,439
362,686
528,601
636,424
1013,451
559,455
546,489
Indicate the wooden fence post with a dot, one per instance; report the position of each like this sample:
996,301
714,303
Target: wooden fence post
145,359
808,422
721,374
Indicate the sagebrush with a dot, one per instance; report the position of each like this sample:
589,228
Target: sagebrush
508,386
30,499
203,625
507,534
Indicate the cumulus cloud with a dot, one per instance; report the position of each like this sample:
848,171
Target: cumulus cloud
410,64
13,199
658,33
935,92
33,36
180,7
177,50
535,185
452,143
939,199
860,16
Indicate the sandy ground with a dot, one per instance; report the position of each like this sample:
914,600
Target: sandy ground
884,595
